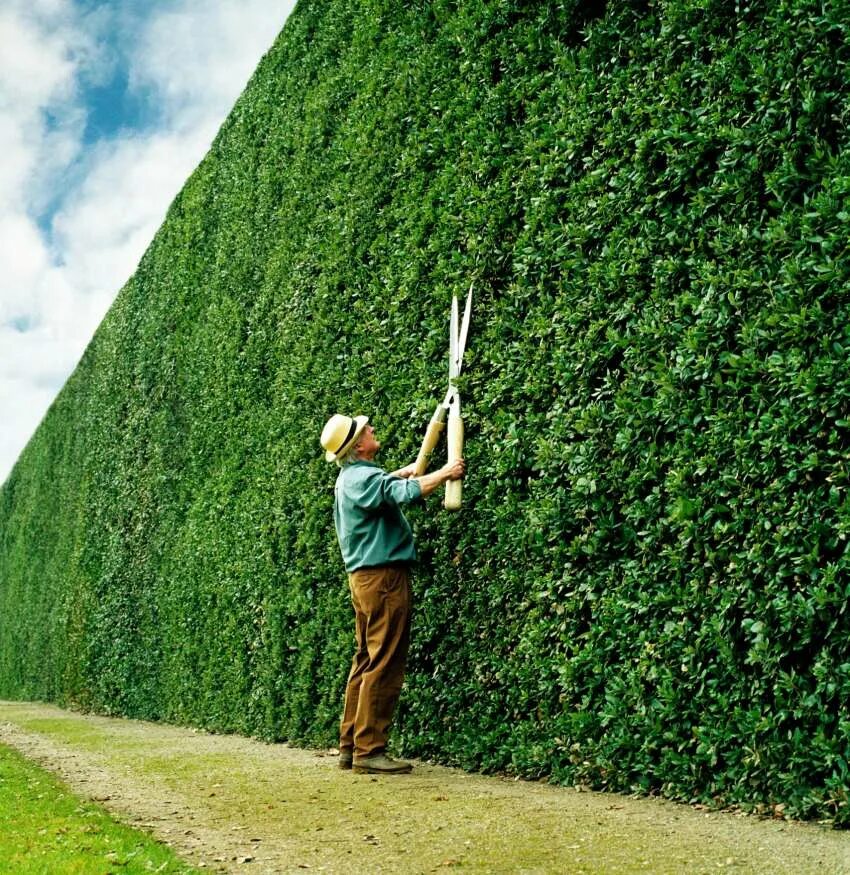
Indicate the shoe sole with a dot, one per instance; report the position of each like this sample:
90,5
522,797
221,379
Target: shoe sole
368,770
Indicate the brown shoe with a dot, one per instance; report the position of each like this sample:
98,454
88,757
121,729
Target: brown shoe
345,758
380,764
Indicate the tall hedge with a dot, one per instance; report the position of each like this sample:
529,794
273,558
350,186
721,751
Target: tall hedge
647,586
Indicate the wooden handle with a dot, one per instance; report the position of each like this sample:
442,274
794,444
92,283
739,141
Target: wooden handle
432,435
454,488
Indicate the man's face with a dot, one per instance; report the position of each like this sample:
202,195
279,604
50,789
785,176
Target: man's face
367,444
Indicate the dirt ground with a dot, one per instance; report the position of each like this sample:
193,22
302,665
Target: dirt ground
232,804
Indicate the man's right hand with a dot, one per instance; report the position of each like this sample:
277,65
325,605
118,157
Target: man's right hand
450,471
454,470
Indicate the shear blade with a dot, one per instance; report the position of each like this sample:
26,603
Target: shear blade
460,342
454,362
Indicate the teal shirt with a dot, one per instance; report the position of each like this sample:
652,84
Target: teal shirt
369,523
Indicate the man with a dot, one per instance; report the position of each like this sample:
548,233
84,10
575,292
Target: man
377,549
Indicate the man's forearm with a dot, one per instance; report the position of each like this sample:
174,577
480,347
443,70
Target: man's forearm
429,482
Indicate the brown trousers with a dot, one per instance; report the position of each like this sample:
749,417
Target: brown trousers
381,599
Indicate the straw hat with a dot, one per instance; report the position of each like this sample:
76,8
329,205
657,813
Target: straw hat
340,433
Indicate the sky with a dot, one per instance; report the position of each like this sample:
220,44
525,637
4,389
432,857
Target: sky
106,107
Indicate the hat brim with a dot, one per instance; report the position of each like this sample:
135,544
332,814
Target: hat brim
362,422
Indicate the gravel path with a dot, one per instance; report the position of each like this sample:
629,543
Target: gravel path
232,804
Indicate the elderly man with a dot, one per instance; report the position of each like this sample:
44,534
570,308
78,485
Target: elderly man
377,549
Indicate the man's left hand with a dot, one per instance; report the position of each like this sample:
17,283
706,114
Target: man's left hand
406,472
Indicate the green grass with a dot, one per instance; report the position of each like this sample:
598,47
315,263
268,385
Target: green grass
46,829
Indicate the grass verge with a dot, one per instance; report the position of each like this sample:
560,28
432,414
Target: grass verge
46,829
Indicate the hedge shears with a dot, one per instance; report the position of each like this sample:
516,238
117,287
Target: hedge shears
450,406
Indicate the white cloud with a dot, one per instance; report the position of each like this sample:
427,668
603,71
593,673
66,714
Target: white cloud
36,74
35,62
206,80
190,61
24,259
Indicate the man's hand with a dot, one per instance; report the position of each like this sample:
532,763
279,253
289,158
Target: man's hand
406,472
450,471
454,470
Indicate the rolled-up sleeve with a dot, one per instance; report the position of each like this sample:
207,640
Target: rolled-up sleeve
379,488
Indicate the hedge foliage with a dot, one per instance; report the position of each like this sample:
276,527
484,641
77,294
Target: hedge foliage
647,586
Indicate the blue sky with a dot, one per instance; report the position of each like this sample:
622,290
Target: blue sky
113,106
105,110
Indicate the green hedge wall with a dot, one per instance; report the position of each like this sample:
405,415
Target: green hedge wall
647,587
